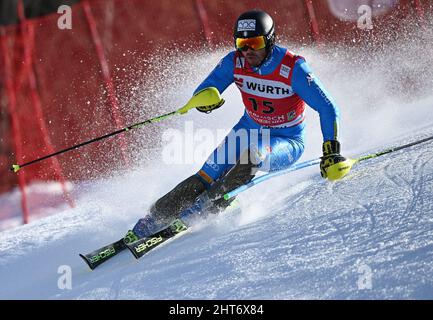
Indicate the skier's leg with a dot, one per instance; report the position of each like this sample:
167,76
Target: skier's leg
241,173
183,196
185,193
276,153
282,153
231,164
168,207
219,178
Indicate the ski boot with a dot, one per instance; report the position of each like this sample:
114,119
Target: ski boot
148,226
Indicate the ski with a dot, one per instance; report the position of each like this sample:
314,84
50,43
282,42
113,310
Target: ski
99,256
144,245
138,248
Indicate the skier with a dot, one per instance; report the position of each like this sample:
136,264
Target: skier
275,85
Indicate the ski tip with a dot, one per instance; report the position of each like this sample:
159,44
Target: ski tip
91,266
15,168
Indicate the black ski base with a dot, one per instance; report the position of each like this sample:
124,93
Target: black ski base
144,245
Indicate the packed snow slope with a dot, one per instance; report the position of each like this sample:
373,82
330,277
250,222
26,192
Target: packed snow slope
368,236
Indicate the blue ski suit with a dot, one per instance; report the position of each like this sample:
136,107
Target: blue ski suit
282,145
272,128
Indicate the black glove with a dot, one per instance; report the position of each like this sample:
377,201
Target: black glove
208,109
331,156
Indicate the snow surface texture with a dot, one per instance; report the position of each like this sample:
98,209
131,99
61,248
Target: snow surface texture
369,236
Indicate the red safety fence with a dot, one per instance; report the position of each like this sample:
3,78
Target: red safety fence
62,87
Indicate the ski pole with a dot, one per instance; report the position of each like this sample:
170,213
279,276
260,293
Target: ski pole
350,163
267,176
378,154
206,97
17,167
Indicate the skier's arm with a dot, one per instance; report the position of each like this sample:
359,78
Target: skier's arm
221,76
311,90
332,165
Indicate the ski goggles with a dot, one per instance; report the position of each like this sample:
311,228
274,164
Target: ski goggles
255,43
